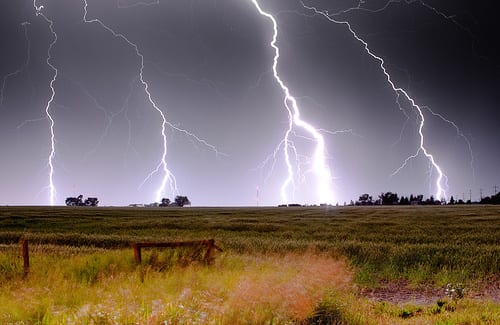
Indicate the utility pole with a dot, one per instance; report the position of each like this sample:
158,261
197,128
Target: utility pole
470,195
495,190
481,193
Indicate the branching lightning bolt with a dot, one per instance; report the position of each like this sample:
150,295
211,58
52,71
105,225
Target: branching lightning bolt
168,177
51,187
320,167
459,134
452,19
441,178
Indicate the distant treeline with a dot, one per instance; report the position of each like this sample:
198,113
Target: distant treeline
495,199
390,198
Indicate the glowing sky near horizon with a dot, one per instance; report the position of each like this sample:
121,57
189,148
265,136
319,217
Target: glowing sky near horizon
208,65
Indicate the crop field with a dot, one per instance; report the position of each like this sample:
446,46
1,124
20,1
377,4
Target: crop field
301,265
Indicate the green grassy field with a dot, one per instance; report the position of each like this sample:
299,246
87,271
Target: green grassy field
299,265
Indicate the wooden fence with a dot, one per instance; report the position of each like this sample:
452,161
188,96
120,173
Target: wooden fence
208,244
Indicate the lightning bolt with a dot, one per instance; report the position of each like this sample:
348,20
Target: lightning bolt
108,117
319,165
459,134
441,178
168,177
51,187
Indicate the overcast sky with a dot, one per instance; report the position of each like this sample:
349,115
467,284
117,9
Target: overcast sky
208,67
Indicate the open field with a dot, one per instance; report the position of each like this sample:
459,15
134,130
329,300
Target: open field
351,265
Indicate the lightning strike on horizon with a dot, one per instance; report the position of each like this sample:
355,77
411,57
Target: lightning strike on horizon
440,192
168,176
445,16
24,66
51,187
320,168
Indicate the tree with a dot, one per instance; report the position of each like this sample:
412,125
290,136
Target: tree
91,202
75,201
389,198
495,199
182,200
404,201
452,200
430,201
165,202
365,199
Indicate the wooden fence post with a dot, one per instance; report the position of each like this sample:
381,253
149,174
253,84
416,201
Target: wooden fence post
210,252
137,253
26,257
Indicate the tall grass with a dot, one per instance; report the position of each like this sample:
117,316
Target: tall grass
11,265
421,244
105,287
279,266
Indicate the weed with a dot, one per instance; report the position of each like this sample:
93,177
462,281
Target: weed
328,311
436,309
455,291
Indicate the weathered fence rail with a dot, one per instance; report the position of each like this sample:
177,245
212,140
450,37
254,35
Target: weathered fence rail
208,244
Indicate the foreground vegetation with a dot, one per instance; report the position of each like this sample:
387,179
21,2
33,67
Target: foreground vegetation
279,265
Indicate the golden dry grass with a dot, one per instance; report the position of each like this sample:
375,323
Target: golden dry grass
240,289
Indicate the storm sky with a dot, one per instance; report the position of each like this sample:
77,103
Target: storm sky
208,67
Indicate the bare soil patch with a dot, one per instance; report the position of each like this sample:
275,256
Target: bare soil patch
400,292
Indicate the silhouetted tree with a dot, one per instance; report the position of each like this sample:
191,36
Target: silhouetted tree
495,199
452,200
419,199
365,199
404,201
182,200
78,201
165,202
485,200
389,198
91,202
